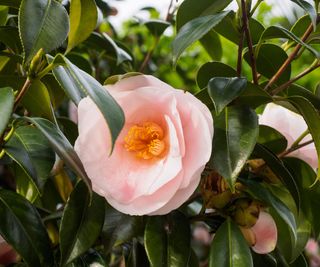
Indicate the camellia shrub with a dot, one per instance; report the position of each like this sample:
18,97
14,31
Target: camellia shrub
180,141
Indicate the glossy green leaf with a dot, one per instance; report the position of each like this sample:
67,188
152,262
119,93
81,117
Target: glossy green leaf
260,192
263,260
301,26
212,44
167,240
312,118
305,176
83,20
279,169
281,32
61,146
104,43
24,186
269,59
254,96
193,31
31,150
81,223
37,101
119,228
236,252
229,29
236,133
11,3
138,256
55,91
272,139
309,9
298,90
191,9
21,226
6,107
157,27
213,69
301,261
223,91
10,37
78,84
42,24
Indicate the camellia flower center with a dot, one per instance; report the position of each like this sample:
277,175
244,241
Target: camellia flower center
145,140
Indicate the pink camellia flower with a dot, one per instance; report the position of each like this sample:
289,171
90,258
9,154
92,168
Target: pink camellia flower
263,235
160,153
291,125
7,253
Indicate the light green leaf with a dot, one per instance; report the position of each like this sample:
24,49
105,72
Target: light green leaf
83,20
11,3
236,252
193,31
6,107
3,15
42,24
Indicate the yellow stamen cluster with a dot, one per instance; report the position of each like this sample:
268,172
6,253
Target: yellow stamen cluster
146,140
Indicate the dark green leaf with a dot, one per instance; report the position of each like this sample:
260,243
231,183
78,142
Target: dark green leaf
229,29
138,256
213,69
236,133
191,9
83,20
298,90
61,146
260,192
81,223
6,107
119,228
254,96
21,226
309,9
78,84
312,118
281,32
193,31
301,26
157,27
272,139
42,24
31,150
167,240
269,59
236,252
10,37
212,44
305,176
223,91
277,166
104,43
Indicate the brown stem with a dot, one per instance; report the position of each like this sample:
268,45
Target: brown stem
299,76
294,148
290,58
148,56
240,48
245,21
23,90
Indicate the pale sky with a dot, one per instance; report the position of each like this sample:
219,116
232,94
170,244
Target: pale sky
130,8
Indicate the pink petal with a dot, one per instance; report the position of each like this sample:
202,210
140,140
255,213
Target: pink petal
266,234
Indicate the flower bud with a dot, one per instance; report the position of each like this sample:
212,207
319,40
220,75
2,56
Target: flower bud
246,212
215,191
